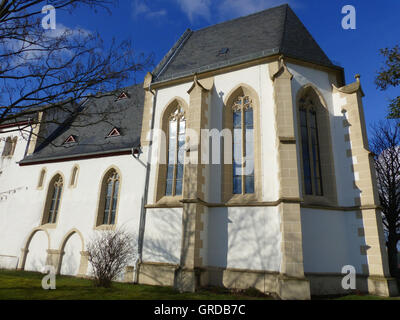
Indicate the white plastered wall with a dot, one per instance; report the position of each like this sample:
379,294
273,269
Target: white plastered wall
22,212
331,241
244,238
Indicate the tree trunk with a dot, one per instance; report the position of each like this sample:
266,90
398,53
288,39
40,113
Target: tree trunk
392,255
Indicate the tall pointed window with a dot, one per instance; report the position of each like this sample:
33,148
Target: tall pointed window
110,198
9,146
243,146
41,178
175,161
310,148
53,200
74,176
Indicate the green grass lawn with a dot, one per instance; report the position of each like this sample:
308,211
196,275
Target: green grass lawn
21,285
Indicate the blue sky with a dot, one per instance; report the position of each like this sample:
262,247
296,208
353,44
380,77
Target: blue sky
155,25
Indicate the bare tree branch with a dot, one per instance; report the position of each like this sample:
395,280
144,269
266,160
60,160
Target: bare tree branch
45,68
385,144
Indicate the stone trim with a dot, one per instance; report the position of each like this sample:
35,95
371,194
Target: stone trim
152,273
34,134
194,178
365,186
179,204
292,282
147,111
266,281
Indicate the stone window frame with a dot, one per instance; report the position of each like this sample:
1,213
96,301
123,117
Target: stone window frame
98,224
42,178
73,181
9,146
161,171
57,178
327,169
228,197
178,115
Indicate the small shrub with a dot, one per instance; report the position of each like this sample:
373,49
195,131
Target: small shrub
109,252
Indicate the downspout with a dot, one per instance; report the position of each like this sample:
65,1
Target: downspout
142,220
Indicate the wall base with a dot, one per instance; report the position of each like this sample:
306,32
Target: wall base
189,280
380,286
293,288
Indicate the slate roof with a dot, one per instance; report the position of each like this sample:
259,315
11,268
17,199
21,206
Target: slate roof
273,31
91,125
270,32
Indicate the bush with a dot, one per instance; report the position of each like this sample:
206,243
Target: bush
109,252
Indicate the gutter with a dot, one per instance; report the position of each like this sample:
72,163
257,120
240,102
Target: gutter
81,156
142,220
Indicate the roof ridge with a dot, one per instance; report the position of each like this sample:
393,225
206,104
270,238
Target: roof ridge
166,59
284,30
306,31
242,17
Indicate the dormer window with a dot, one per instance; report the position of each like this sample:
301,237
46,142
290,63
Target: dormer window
223,52
114,133
70,139
122,95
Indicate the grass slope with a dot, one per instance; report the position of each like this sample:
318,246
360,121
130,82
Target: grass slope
21,285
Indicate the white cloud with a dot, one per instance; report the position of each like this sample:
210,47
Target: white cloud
141,9
32,50
193,8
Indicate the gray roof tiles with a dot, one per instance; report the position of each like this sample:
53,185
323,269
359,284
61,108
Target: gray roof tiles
273,31
91,126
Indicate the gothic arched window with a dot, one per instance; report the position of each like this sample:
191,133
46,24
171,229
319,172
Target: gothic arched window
310,148
74,176
9,146
53,200
175,154
243,146
109,198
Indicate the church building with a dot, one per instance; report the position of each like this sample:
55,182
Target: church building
241,161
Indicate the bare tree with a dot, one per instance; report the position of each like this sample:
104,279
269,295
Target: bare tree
59,68
385,144
109,252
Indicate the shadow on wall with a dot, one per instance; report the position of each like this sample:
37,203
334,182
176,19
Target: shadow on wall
72,245
38,243
164,244
242,238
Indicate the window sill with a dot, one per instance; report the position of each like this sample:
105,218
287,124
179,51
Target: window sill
318,200
105,227
49,225
173,201
242,199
